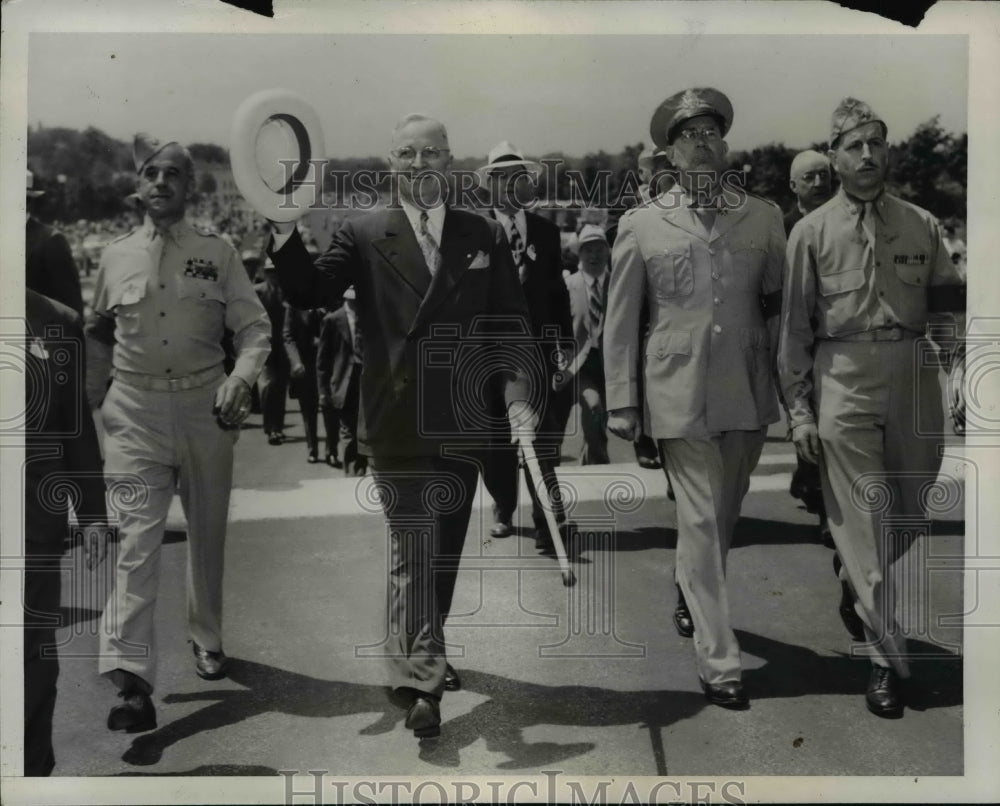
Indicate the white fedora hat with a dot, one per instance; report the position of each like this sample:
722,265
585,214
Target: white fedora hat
270,128
506,155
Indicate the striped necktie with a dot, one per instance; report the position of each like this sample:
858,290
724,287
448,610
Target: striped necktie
428,245
517,249
598,292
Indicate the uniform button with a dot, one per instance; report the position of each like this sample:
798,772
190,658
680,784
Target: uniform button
162,313
162,285
717,328
715,275
711,251
164,341
718,301
169,371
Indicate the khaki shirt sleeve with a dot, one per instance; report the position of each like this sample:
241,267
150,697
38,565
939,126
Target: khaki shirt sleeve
795,347
247,319
626,292
100,340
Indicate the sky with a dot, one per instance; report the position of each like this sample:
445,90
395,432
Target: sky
545,93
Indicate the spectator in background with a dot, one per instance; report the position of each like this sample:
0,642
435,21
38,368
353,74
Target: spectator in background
535,250
272,385
588,294
301,332
49,268
338,369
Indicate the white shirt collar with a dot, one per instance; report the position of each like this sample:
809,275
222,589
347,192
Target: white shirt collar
435,218
590,279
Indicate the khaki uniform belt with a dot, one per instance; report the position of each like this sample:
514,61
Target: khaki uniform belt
151,383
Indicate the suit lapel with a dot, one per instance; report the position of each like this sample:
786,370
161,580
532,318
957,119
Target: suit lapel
402,252
458,248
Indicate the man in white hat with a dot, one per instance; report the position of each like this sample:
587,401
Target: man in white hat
535,248
867,272
339,361
709,265
163,297
49,268
588,296
439,302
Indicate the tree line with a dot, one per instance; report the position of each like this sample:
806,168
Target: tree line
87,174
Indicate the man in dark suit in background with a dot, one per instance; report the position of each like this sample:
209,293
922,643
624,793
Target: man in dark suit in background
338,370
425,275
61,452
49,268
272,384
537,255
301,334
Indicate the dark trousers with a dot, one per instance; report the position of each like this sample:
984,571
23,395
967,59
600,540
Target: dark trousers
307,391
42,592
348,417
273,387
427,504
593,410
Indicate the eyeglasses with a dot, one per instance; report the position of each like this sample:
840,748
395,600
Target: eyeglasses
429,153
699,134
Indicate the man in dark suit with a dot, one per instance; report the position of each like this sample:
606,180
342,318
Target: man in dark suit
301,334
61,453
425,275
49,267
338,370
537,255
272,384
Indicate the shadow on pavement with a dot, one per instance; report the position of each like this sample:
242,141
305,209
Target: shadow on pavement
748,532
211,769
268,689
515,705
794,671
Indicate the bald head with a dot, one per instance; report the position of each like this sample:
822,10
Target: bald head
811,179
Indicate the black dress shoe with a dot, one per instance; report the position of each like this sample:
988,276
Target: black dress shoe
312,458
333,461
649,462
209,665
135,715
501,529
682,617
852,621
273,439
424,717
883,696
727,695
452,682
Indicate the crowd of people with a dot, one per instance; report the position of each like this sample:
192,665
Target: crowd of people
684,327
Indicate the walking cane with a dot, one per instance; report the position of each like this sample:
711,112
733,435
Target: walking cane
527,451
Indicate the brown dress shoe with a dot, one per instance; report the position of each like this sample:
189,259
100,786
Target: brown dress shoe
209,665
424,717
135,715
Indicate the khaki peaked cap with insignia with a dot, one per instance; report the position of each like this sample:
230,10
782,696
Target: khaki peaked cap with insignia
849,114
686,105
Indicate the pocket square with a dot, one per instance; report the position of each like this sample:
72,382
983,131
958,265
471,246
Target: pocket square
480,261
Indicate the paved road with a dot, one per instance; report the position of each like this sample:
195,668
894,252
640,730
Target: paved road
591,680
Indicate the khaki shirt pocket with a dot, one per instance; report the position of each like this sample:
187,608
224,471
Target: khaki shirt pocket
200,290
841,282
749,259
916,274
123,302
671,273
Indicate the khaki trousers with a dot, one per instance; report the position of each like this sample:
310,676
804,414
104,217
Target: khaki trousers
154,442
710,477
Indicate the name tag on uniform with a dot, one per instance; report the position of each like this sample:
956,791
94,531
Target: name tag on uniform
201,269
910,260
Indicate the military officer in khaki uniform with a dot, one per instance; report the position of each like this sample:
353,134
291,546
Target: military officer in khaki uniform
164,295
708,259
864,271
